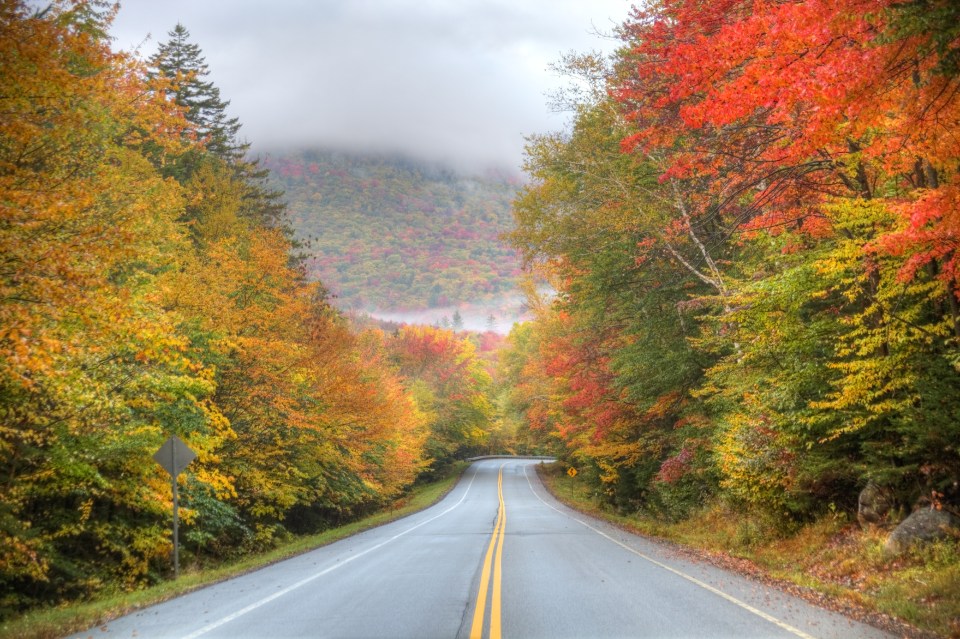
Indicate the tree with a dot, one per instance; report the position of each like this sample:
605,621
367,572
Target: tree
92,371
179,71
450,386
181,63
745,295
614,361
120,324
791,103
831,123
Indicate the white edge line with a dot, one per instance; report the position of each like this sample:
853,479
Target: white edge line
280,593
782,624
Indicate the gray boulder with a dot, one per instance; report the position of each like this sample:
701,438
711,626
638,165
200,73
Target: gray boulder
873,505
926,524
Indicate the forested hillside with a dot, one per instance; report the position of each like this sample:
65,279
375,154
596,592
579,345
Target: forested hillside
148,290
387,233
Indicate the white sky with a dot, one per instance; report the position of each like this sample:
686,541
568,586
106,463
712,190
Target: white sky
461,81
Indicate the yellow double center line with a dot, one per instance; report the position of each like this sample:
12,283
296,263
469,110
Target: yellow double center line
493,557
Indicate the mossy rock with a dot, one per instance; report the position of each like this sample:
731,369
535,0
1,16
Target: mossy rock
924,525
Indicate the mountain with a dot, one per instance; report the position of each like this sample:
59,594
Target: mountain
387,234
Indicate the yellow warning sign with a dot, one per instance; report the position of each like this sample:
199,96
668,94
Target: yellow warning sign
572,471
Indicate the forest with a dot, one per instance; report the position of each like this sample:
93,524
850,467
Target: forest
749,231
752,227
149,288
390,233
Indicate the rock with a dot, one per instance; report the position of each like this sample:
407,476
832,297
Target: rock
873,505
926,524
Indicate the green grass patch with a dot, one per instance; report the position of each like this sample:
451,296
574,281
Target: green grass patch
833,557
51,623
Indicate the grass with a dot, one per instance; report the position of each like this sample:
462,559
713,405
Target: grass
64,620
832,560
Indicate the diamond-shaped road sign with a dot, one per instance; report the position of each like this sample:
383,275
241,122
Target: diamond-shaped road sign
174,455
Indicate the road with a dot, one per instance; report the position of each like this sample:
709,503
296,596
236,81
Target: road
497,557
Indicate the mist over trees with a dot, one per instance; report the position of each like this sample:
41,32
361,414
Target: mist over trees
386,233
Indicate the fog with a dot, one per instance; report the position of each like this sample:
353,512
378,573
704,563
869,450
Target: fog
504,311
457,83
454,81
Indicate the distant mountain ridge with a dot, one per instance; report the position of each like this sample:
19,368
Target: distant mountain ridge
393,234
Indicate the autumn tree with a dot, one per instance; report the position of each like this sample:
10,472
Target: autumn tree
612,358
136,306
450,386
93,372
792,119
749,288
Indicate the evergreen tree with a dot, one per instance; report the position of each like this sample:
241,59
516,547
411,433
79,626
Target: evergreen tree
181,63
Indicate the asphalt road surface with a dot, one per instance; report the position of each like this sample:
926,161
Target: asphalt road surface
497,557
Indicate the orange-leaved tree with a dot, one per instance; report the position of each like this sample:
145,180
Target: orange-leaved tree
450,386
92,370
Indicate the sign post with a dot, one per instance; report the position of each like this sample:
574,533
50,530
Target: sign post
174,456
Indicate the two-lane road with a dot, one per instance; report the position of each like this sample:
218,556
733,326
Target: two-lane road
497,557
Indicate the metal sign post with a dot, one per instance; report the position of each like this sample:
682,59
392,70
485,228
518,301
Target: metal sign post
174,456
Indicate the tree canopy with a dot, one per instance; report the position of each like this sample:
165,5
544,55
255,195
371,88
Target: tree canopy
751,227
148,289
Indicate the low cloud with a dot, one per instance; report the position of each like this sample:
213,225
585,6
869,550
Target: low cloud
461,81
497,315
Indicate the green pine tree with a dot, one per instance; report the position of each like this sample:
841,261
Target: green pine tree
181,62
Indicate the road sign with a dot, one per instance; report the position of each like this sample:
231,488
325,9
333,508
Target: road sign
174,456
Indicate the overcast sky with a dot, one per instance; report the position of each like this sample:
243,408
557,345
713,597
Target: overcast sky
445,80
